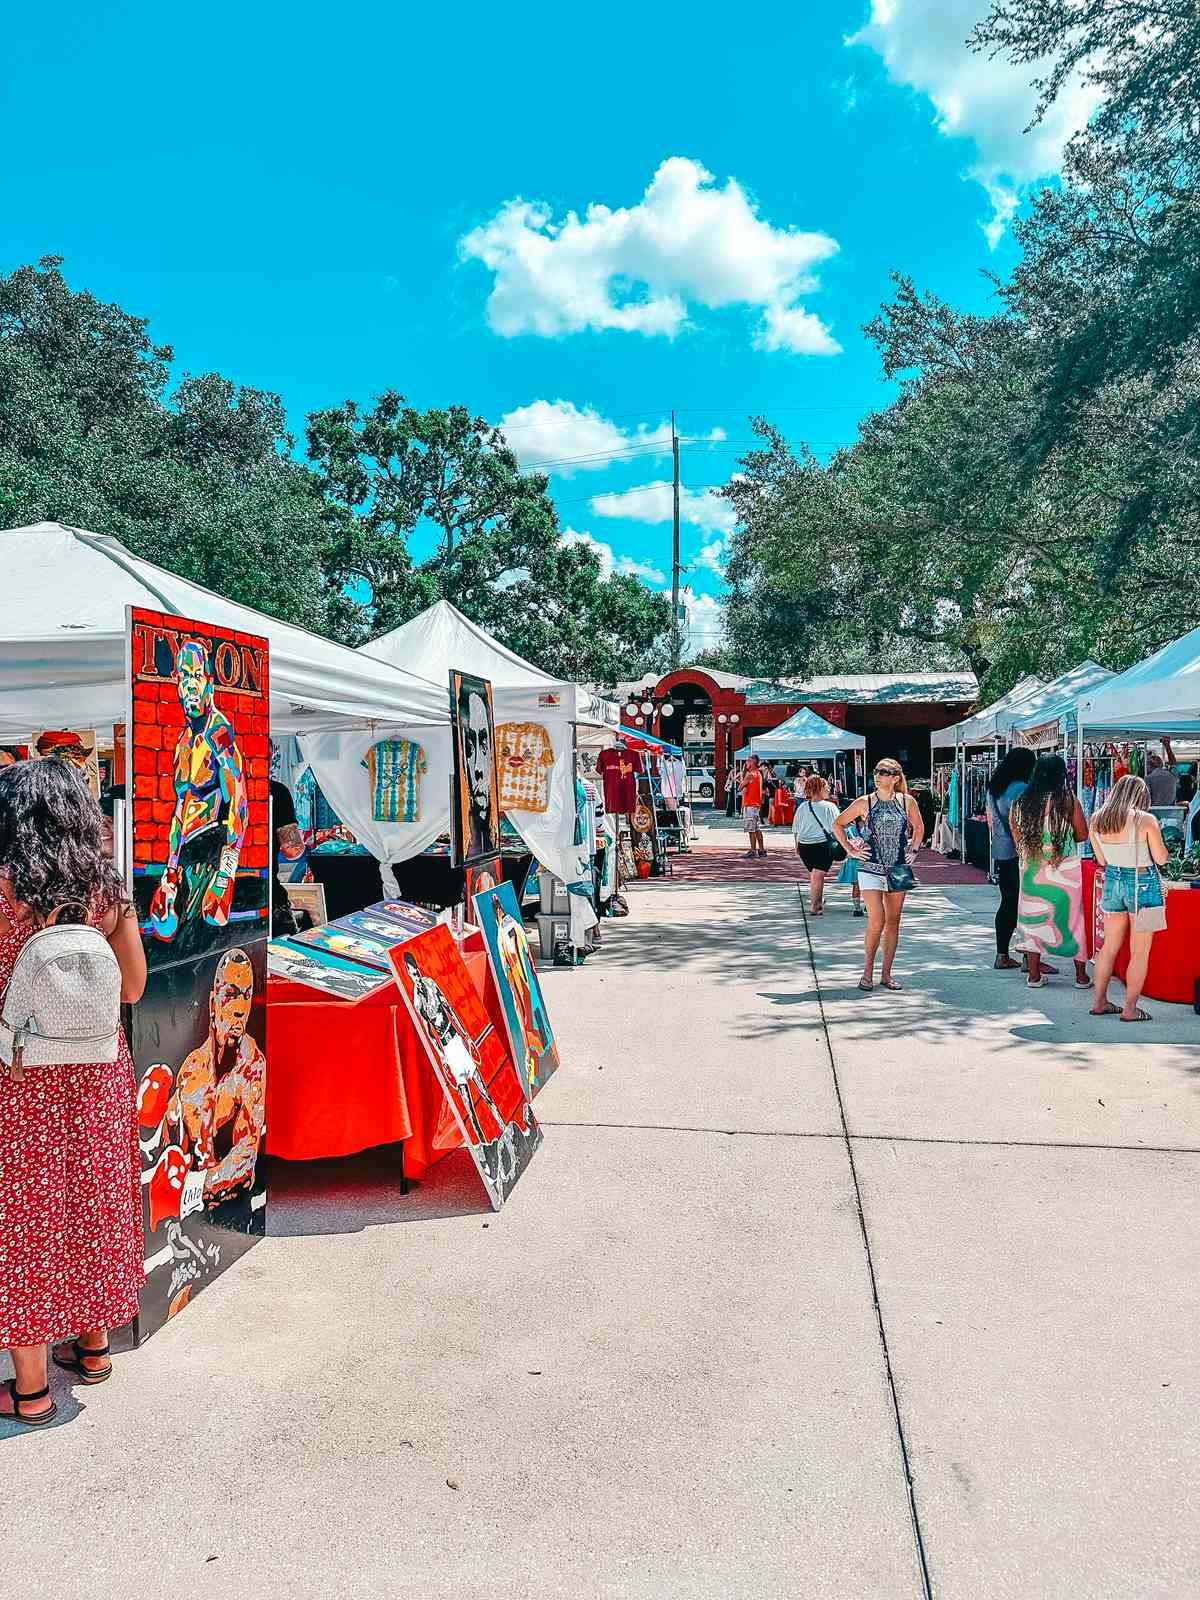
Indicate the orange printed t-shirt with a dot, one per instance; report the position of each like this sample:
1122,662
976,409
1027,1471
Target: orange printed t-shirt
752,793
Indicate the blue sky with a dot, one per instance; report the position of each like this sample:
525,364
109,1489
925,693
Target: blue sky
325,204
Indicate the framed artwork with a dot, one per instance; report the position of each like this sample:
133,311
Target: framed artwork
201,1114
197,816
75,746
385,930
321,969
475,795
199,750
482,875
417,918
308,897
344,942
470,1060
530,1036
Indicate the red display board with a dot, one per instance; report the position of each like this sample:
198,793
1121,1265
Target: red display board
198,759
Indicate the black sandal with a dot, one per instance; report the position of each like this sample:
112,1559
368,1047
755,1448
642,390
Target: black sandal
19,1400
77,1366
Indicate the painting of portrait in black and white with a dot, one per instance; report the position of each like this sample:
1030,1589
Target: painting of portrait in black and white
476,809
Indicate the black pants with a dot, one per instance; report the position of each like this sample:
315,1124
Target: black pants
1008,875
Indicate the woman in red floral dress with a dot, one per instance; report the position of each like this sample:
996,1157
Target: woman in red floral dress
70,1196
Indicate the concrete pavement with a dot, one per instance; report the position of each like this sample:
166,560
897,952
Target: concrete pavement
660,1370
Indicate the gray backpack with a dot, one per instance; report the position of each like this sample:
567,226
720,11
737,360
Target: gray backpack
62,1006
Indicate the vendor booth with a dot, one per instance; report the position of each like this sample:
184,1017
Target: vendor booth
963,758
806,738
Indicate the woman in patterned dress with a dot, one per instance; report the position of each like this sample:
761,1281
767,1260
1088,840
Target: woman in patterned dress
70,1196
889,834
1048,827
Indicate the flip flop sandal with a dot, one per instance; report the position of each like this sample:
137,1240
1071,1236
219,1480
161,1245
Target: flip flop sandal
77,1366
1138,1016
19,1399
865,986
1106,1010
1083,983
890,983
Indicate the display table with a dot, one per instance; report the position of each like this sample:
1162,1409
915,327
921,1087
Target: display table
344,1077
783,809
1174,953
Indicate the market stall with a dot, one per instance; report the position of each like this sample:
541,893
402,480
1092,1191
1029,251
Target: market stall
963,757
809,739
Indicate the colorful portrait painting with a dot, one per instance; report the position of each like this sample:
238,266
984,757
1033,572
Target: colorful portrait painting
405,913
76,746
201,1114
475,808
321,969
351,946
530,1036
470,1060
482,876
200,759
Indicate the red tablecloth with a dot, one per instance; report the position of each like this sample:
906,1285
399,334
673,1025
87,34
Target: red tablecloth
343,1077
1175,952
783,809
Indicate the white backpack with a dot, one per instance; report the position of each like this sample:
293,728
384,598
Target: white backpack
63,1001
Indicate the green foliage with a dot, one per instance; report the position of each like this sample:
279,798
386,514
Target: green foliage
201,478
498,558
1033,496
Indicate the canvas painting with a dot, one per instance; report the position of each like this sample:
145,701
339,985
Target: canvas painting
482,876
470,1059
386,929
320,969
530,1036
308,897
76,746
418,918
199,1042
344,942
199,753
475,797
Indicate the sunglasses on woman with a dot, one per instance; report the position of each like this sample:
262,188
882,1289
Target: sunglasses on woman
887,772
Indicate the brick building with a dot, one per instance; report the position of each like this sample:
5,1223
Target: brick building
714,714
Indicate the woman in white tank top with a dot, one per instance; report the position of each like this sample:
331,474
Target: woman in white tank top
1129,846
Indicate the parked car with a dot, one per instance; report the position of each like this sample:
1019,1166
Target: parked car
702,782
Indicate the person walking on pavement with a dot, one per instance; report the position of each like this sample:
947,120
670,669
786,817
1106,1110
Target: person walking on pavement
751,788
1048,827
811,829
1128,843
1007,783
892,830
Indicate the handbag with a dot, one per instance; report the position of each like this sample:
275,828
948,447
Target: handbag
837,850
901,878
1146,919
63,1001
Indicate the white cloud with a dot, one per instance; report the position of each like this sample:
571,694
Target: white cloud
705,619
922,44
610,562
687,242
561,432
712,557
652,503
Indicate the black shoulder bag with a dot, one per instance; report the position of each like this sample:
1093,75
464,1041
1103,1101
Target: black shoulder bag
838,850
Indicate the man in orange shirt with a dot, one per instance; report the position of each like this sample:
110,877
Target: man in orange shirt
752,801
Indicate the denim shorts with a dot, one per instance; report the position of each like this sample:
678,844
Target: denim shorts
1120,884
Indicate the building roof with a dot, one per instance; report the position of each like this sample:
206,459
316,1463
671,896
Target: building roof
869,688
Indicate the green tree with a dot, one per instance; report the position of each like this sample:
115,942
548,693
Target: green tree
394,472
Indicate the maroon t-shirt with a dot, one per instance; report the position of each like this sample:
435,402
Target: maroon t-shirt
620,769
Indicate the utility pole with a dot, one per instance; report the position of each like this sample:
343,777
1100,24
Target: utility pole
676,639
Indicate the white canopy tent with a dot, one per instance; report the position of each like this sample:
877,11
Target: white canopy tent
1047,716
989,723
1160,695
62,643
804,734
442,640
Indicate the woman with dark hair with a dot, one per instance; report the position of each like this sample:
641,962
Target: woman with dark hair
1006,785
1048,828
70,1189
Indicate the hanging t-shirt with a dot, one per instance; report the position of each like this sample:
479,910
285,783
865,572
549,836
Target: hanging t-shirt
525,757
620,770
395,767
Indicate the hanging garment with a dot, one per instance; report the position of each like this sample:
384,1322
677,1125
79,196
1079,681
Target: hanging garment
620,770
395,767
953,806
525,757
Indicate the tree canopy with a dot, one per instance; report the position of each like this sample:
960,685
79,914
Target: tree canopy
202,477
1033,495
